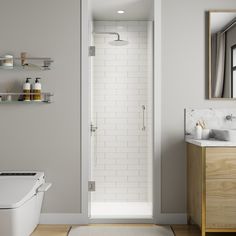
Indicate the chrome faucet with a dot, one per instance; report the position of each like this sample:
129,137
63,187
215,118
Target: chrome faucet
230,117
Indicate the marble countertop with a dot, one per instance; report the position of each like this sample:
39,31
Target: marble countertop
210,143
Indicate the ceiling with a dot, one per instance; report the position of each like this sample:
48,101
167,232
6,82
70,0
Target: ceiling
134,9
219,20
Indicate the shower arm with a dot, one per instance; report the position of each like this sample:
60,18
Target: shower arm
112,33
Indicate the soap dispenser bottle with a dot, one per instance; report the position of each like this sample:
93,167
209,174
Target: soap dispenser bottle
198,131
26,90
37,87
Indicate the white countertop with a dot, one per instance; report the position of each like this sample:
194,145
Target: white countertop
210,143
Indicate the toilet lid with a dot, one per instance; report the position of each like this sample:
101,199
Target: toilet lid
16,191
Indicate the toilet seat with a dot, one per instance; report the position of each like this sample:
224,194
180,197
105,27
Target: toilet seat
17,189
21,197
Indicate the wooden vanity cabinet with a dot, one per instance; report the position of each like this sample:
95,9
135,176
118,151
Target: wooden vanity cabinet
211,183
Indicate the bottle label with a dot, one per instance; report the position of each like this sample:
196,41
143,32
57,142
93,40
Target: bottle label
26,95
37,95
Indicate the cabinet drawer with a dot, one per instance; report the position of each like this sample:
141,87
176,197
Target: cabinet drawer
221,203
220,163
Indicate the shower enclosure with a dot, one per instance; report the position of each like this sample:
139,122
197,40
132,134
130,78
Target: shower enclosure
122,119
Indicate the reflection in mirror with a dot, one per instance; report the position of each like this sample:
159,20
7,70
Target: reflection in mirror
222,81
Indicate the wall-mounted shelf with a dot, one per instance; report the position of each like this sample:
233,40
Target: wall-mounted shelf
28,64
18,98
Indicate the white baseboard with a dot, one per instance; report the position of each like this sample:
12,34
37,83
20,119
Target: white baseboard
61,218
54,218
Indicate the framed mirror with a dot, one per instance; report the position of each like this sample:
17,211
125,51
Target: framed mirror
222,54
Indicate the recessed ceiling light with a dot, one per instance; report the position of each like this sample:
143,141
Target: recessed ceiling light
120,12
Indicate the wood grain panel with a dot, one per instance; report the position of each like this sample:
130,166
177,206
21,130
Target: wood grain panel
186,230
221,203
51,230
220,163
194,182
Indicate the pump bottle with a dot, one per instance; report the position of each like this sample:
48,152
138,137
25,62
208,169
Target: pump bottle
37,87
26,90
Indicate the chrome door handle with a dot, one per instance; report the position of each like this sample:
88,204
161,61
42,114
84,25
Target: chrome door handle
144,126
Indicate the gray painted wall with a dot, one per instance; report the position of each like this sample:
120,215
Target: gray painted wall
184,74
44,137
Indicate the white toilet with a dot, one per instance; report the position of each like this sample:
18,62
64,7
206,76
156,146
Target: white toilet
21,196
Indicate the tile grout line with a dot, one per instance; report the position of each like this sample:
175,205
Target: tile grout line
69,230
173,230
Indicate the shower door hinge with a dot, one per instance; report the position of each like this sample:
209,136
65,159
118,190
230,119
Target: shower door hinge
93,128
92,51
91,186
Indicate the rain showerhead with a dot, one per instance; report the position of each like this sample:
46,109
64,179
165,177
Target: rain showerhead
117,42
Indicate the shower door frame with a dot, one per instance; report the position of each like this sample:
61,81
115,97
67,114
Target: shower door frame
85,90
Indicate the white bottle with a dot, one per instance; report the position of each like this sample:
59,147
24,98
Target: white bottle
198,132
37,87
26,90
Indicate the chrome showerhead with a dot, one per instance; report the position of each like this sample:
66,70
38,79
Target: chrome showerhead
117,42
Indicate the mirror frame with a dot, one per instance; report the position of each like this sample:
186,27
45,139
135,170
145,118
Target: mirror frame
209,56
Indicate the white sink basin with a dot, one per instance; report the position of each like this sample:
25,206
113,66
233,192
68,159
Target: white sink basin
224,134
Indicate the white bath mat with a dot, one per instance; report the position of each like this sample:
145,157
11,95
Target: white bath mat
121,230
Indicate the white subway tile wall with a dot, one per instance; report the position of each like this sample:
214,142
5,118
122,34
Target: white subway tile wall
122,84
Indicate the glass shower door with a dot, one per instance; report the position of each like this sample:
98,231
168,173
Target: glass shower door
121,163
